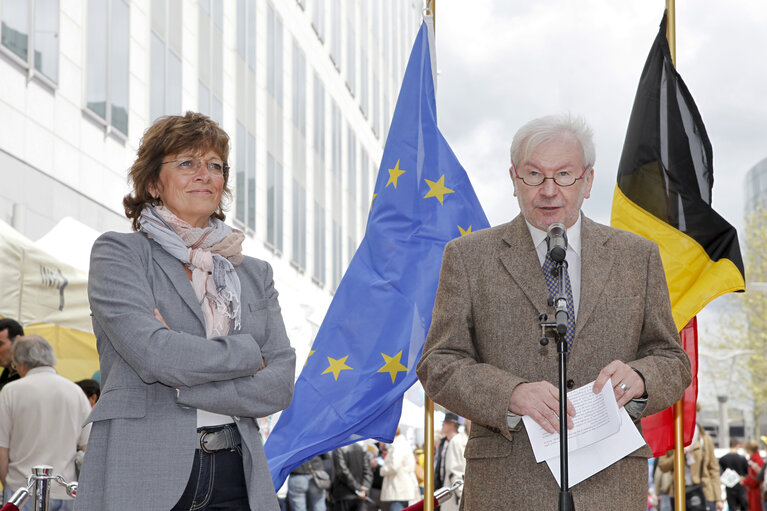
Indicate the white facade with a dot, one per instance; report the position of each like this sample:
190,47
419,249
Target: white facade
304,88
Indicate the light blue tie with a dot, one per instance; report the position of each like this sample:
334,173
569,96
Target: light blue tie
551,281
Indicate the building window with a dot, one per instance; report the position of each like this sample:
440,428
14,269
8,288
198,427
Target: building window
376,105
30,33
365,183
318,130
335,155
273,202
318,18
246,32
351,50
274,56
299,224
298,209
338,269
108,43
274,128
364,81
319,243
211,57
245,64
351,184
245,177
335,33
165,58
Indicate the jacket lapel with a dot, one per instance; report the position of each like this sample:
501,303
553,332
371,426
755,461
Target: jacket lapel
175,272
521,261
596,264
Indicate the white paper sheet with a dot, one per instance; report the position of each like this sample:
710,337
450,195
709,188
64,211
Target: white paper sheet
603,434
596,418
586,462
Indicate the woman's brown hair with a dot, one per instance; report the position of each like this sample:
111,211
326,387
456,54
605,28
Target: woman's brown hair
169,135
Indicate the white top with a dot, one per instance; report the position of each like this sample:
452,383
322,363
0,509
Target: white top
41,418
573,256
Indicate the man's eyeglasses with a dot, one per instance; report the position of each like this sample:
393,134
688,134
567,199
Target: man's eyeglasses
532,177
189,165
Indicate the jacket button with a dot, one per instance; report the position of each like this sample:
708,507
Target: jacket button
570,384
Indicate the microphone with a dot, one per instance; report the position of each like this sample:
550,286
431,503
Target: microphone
556,242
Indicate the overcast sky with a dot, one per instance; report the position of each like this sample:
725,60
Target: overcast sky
502,63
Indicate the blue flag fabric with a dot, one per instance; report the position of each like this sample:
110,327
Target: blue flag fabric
365,353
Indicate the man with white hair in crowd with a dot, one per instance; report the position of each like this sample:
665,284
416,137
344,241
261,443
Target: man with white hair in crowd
41,418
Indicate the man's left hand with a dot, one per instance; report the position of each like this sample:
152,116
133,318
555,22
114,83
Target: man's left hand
627,384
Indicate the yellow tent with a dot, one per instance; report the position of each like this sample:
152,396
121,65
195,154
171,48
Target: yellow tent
49,298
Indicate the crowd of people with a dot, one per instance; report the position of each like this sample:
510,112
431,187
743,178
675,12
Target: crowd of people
373,476
732,482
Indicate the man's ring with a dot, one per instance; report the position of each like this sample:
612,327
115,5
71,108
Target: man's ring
623,387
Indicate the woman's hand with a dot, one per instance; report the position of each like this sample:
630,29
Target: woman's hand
159,316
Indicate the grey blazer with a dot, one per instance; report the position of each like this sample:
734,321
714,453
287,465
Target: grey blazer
483,342
143,435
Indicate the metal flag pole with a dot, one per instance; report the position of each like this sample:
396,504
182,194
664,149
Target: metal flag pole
428,421
679,494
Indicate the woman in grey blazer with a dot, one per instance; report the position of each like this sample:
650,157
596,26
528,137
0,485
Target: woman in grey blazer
190,337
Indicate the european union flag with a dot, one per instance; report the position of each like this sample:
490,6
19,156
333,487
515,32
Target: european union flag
365,353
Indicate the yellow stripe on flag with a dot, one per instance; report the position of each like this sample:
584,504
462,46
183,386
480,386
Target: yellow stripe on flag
693,278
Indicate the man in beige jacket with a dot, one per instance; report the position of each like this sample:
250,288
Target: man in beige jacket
482,358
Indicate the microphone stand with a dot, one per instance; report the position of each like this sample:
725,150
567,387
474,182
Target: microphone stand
559,328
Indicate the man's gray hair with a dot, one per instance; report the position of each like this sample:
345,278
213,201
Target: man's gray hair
32,351
548,128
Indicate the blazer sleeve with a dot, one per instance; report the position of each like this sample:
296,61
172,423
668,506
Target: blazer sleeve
264,392
660,357
122,305
449,364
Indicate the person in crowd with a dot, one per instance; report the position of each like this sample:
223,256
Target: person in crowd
375,456
353,477
736,495
91,388
303,492
191,340
420,458
454,464
482,358
9,330
41,422
398,470
701,467
440,446
663,482
751,482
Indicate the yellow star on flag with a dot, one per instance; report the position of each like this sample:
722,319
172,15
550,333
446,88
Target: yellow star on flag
311,352
374,198
336,366
392,365
394,174
467,231
438,189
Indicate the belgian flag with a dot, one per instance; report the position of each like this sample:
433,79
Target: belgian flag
663,193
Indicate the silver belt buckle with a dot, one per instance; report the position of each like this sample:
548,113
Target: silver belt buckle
203,437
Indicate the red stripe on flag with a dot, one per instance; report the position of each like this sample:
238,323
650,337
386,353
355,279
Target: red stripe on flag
659,428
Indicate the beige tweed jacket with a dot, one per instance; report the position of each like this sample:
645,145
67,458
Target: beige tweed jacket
484,341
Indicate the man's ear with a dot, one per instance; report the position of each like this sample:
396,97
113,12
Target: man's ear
513,181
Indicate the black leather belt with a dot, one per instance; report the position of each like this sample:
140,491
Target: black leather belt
218,438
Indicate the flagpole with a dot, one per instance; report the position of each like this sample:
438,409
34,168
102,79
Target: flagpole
428,420
679,461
